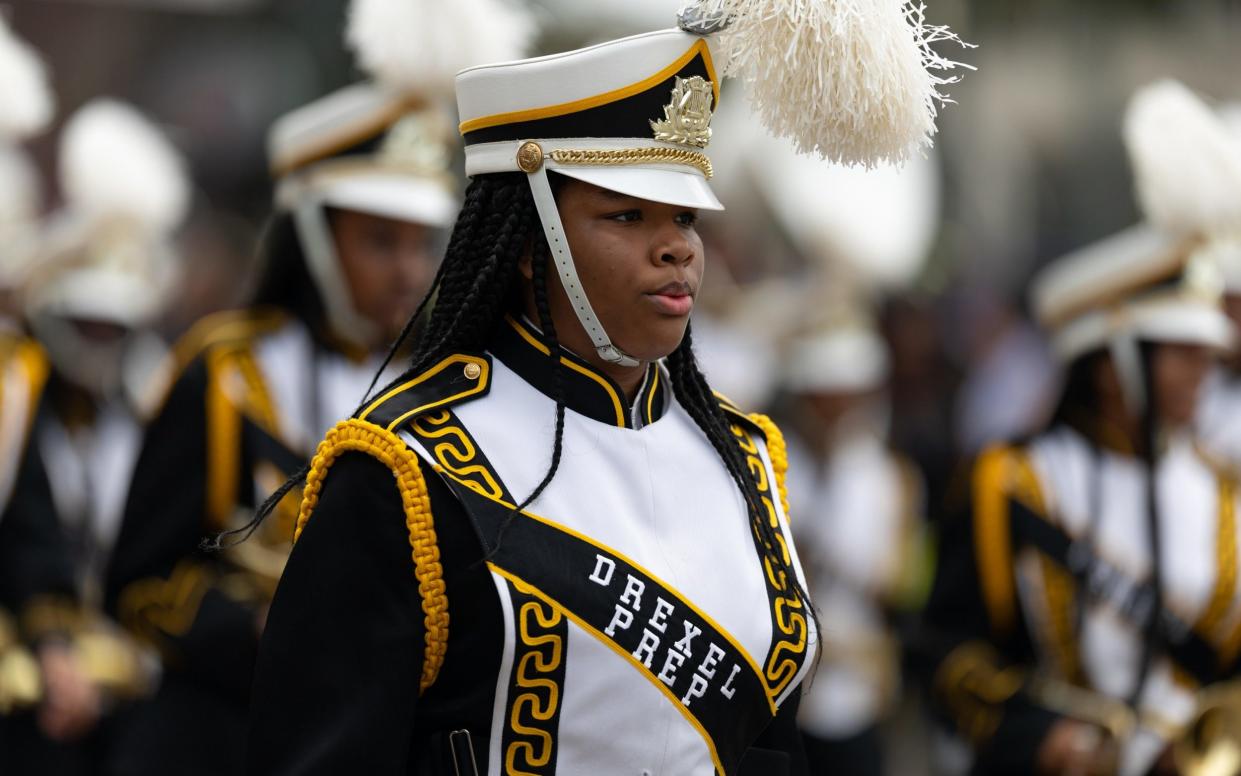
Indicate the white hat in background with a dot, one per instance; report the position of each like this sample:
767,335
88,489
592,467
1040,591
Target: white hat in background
1158,281
26,107
852,82
108,255
850,357
384,147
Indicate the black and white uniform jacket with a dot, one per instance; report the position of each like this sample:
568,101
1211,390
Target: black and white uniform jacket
253,392
1046,583
622,624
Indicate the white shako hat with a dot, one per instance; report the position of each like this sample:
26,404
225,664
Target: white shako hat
846,357
850,81
107,255
385,146
26,107
1157,281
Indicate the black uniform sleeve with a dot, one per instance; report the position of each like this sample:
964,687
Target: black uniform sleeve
160,584
35,565
336,688
975,671
338,672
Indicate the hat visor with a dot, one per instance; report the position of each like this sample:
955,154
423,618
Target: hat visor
107,296
399,197
1176,322
662,184
1190,324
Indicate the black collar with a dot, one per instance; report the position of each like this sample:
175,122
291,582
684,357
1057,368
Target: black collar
587,391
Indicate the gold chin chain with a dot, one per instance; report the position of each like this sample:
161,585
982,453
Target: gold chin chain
695,159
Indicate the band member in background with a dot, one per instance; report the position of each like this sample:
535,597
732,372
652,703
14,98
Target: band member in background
363,190
549,546
105,270
47,701
860,529
1089,590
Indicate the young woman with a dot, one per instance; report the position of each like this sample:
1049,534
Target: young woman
635,605
549,547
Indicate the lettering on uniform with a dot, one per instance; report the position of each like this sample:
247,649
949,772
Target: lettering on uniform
601,563
659,620
663,652
728,688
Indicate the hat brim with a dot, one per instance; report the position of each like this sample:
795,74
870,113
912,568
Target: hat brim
399,197
665,185
1188,322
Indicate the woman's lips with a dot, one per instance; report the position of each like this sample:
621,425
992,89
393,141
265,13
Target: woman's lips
674,299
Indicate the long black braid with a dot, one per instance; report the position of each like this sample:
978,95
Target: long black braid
473,289
700,402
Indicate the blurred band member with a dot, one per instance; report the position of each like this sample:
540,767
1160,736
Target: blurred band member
103,274
1091,587
363,189
46,699
858,527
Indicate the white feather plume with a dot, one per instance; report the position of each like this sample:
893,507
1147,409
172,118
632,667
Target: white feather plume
854,81
418,46
26,102
116,163
1186,164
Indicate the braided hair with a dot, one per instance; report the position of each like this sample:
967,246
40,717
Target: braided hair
473,289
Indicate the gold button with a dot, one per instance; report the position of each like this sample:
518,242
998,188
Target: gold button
472,371
530,157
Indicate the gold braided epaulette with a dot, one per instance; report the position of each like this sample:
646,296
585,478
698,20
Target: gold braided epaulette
778,451
391,451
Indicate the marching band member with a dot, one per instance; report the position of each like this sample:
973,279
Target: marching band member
1091,587
104,272
858,503
363,190
46,698
859,525
456,602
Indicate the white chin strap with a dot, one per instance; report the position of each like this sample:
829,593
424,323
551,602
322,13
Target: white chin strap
319,248
545,202
1128,362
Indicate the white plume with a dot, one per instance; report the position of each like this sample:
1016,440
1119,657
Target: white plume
880,222
26,102
1186,164
855,81
114,162
418,46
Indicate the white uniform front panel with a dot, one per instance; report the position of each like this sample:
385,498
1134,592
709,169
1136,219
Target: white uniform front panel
1075,477
312,388
661,497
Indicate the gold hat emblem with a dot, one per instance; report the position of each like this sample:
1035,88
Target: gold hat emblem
687,119
419,142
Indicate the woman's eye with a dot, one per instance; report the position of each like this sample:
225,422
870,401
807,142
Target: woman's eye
688,218
627,216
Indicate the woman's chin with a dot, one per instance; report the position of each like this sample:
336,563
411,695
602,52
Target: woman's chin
659,339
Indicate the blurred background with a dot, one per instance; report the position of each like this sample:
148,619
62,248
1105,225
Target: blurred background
1029,157
1028,165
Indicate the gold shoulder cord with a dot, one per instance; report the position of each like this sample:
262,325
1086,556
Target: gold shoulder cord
779,454
387,447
